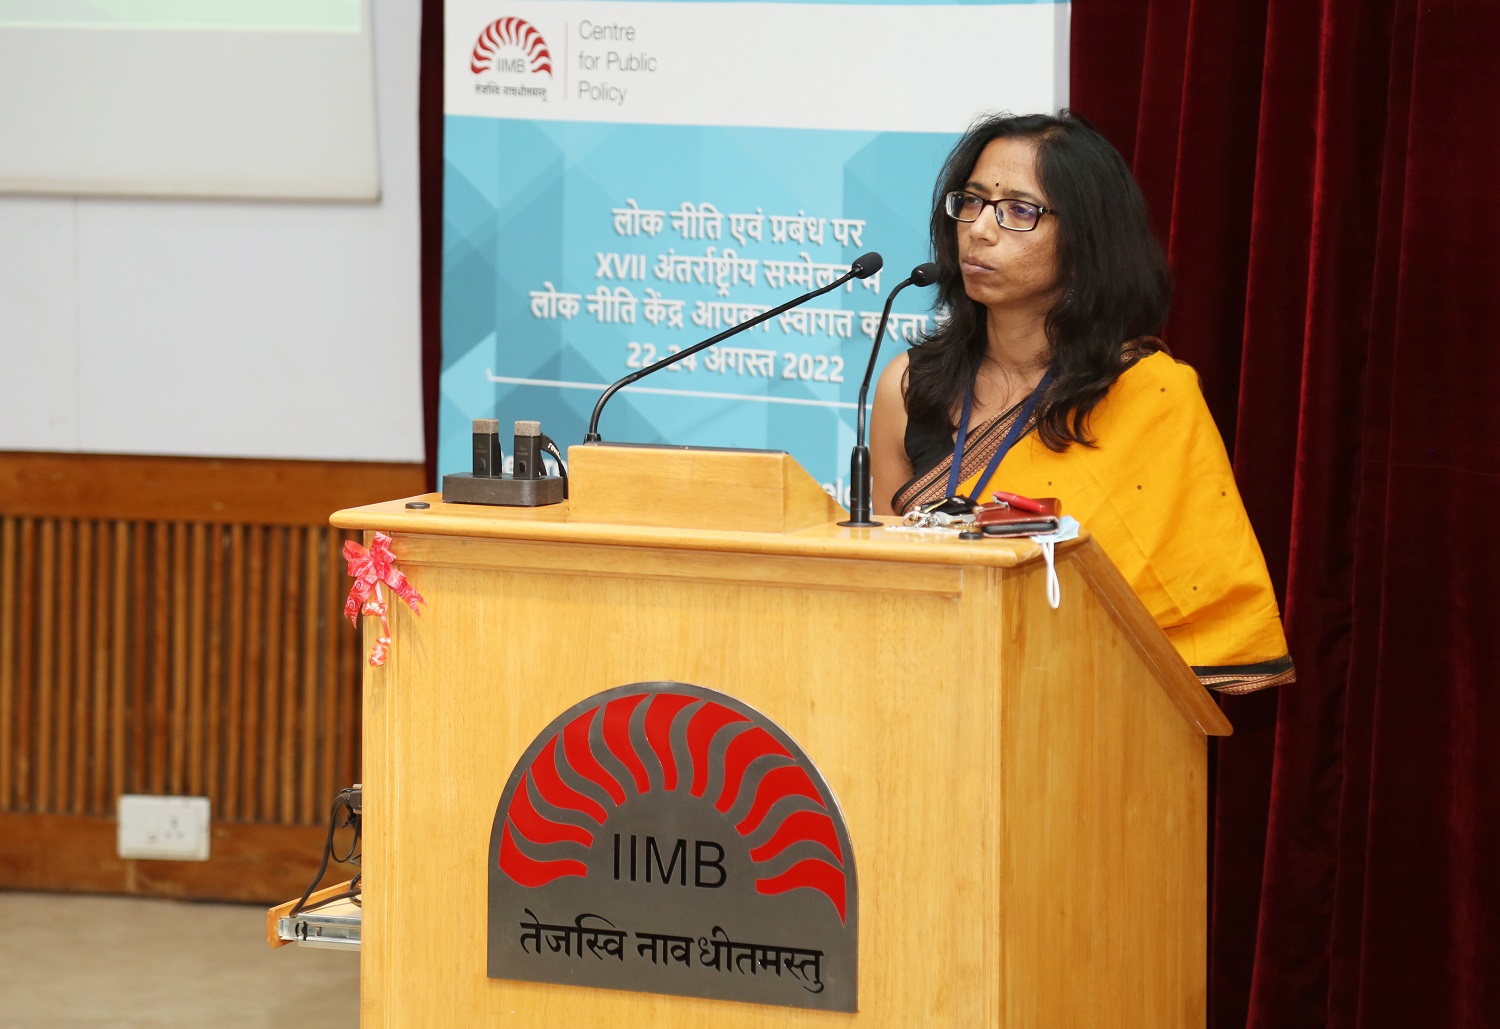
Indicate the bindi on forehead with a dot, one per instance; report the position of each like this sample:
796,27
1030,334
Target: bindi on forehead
998,188
1006,167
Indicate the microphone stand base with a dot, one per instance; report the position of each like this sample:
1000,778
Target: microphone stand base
855,523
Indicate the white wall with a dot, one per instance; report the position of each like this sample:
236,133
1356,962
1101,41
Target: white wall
234,329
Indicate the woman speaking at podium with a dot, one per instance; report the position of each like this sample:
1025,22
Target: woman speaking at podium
1047,381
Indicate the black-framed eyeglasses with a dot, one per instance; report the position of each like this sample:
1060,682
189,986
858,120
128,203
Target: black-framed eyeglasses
1015,215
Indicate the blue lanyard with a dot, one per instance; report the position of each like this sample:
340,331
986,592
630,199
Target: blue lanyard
1016,428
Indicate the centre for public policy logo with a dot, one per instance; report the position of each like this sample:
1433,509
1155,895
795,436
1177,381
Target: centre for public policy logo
509,57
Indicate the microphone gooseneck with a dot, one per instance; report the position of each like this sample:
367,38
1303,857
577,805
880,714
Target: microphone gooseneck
863,267
860,513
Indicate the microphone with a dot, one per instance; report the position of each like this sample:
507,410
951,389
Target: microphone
862,268
859,458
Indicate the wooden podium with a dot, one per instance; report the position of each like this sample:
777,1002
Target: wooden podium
1024,788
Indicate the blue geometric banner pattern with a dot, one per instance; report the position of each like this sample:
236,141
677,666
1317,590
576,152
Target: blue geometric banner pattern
577,250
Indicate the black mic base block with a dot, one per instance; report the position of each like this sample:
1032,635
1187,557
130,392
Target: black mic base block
853,523
465,488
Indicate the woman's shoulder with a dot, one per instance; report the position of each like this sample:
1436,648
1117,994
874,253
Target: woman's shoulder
1156,368
895,371
890,387
1156,397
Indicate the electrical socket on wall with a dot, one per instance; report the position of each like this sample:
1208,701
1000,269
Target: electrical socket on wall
163,828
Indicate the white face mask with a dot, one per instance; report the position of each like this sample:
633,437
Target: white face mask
1067,528
945,525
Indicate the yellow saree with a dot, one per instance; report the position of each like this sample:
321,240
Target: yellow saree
1159,495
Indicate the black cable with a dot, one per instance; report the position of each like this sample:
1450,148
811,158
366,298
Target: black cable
353,819
351,894
562,470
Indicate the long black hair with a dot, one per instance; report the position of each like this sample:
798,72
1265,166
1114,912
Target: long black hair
1113,283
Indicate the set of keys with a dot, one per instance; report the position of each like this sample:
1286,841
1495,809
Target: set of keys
950,513
963,515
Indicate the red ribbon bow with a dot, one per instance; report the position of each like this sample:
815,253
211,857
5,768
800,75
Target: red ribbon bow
370,568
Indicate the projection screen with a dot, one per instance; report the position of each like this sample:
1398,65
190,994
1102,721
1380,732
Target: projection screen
195,98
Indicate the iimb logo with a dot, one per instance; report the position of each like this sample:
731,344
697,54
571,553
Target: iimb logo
668,838
508,56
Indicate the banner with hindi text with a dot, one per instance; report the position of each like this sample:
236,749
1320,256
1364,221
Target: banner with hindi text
625,179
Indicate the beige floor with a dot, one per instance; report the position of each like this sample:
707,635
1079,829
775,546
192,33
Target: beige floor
125,963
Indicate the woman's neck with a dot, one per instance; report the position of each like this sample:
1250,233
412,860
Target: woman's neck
1017,346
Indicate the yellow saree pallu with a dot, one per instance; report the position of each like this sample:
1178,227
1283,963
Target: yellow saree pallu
1158,494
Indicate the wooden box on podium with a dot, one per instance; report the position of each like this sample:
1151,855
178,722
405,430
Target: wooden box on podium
1024,788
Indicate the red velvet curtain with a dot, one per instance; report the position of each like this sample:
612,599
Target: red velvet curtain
1322,173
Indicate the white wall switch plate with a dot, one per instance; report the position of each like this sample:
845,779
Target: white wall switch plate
163,828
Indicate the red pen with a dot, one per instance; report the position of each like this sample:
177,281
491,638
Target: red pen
1019,502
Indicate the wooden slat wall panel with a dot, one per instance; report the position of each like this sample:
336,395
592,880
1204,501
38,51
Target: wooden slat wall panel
250,706
198,654
46,677
138,632
269,716
191,489
142,658
159,683
26,690
83,604
235,693
8,685
64,630
314,613
214,709
119,641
